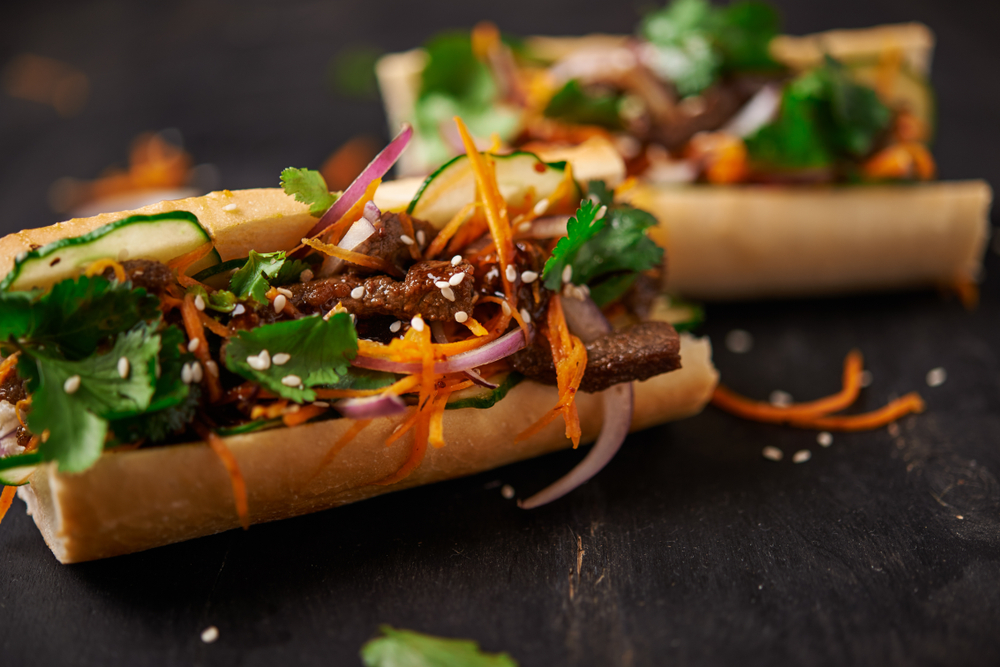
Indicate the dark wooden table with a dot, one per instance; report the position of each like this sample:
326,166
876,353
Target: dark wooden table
689,549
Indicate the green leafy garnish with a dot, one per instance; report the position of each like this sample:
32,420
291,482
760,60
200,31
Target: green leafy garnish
406,648
222,301
575,105
455,83
261,271
607,254
319,354
825,116
75,315
308,187
72,400
697,42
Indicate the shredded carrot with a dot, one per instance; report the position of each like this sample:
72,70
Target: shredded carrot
475,327
302,415
19,410
168,302
181,263
272,294
911,403
474,228
967,291
406,222
335,232
214,325
402,428
417,453
439,242
354,257
195,331
101,265
625,186
271,411
8,365
225,455
761,411
495,205
396,388
6,498
32,445
342,442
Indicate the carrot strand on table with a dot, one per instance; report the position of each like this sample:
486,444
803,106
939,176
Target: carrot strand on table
909,404
6,498
218,445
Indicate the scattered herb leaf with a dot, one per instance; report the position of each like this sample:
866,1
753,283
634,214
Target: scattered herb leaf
308,187
252,280
573,104
406,648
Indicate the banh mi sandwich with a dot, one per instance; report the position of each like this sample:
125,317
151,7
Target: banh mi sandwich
777,165
206,363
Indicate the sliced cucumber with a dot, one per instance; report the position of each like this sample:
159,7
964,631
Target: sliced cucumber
451,187
910,90
481,397
17,476
218,276
162,237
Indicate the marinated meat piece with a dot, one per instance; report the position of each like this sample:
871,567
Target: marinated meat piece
154,276
12,388
637,352
386,242
528,256
419,293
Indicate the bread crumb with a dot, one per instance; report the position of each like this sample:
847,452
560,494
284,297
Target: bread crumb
507,491
802,456
936,377
772,453
739,341
210,634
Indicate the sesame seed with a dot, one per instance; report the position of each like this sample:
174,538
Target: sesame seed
866,378
306,276
525,315
186,375
123,367
280,359
511,273
287,293
199,303
507,491
541,207
492,273
824,438
461,317
321,404
529,277
406,239
936,377
567,274
601,212
456,260
260,361
193,344
802,456
456,279
358,292
197,374
211,633
291,380
524,227
780,399
448,293
417,323
279,303
212,368
421,237
594,198
739,341
239,309
395,326
71,384
772,453
229,207
506,308
441,284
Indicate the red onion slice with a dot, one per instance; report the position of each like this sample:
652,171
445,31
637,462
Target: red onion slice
549,227
437,330
377,168
383,405
587,321
756,113
495,350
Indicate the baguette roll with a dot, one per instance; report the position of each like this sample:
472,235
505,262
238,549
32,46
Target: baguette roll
135,500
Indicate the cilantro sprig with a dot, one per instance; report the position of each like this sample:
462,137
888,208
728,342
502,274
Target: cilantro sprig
399,648
319,353
606,253
695,42
261,271
825,116
309,187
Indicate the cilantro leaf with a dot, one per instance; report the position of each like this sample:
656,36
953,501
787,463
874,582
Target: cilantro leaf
308,187
252,280
222,301
406,648
362,378
600,189
76,315
581,228
573,104
824,116
695,42
320,351
290,271
76,420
